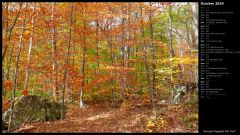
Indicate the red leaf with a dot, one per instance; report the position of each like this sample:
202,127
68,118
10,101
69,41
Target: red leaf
8,84
25,93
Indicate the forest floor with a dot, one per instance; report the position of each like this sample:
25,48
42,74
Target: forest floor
133,117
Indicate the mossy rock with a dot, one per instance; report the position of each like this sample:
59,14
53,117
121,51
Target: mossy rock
54,110
32,109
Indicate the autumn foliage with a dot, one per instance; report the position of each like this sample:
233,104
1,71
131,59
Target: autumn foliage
79,52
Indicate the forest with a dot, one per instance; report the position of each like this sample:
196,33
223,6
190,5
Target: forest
99,67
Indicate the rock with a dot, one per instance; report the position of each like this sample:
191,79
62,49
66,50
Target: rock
179,92
32,108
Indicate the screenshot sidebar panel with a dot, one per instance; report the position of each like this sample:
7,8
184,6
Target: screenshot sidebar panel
219,67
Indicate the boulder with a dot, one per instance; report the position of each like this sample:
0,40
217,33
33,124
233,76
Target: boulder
179,92
32,108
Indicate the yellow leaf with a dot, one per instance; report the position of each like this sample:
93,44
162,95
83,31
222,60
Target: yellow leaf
150,124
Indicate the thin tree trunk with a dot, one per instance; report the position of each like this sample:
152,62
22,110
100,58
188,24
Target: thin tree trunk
170,33
74,47
97,48
9,33
112,64
111,73
5,27
83,75
123,50
16,70
9,63
83,64
171,46
54,59
65,69
194,30
30,50
153,57
145,52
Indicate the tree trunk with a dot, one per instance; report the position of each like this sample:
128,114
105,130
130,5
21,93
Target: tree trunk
171,47
9,33
83,64
73,54
54,59
194,31
123,51
66,64
16,69
30,49
9,63
145,52
153,90
83,75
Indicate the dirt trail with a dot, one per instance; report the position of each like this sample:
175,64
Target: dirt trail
104,118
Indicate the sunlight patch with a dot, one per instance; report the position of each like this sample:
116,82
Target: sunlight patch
103,115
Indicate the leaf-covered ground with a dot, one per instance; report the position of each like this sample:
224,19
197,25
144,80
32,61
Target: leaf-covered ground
133,117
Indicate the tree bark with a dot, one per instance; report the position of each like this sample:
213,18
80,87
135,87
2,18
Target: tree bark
194,31
153,90
66,63
30,49
73,54
83,62
16,69
54,59
9,33
145,48
171,47
123,51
